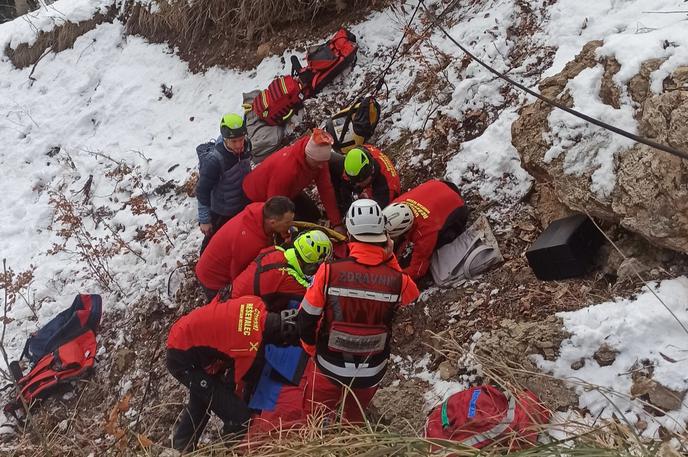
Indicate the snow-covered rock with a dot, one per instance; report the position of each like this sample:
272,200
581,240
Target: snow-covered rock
594,170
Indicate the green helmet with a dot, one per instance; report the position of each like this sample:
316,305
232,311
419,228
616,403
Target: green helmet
313,246
232,126
357,165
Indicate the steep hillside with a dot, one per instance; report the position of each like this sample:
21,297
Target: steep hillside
103,103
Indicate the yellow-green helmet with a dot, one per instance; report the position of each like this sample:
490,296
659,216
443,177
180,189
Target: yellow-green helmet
232,126
357,165
313,246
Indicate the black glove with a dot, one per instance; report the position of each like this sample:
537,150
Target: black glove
280,329
201,383
288,330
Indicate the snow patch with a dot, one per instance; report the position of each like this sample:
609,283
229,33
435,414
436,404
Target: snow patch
491,164
26,28
585,147
641,329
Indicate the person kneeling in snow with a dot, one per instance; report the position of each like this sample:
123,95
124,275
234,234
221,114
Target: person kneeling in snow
345,319
422,220
215,351
278,275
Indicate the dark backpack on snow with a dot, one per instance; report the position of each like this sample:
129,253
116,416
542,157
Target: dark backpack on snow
325,62
354,125
61,351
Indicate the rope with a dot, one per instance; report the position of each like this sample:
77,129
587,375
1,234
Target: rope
381,79
394,58
554,103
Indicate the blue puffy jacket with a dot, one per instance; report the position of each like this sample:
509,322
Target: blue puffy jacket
221,174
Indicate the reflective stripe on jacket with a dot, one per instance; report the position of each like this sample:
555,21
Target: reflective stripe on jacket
356,298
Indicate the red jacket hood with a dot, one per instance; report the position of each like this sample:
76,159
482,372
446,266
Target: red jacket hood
369,254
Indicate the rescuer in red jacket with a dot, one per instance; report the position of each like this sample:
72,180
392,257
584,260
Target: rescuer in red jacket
240,240
291,170
365,172
345,319
278,275
422,220
215,351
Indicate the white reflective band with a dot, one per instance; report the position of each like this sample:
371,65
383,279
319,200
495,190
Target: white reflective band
498,429
351,370
310,309
357,293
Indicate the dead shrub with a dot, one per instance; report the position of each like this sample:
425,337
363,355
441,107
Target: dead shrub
208,32
56,40
233,20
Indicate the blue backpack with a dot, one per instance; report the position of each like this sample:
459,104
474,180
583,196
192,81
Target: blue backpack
82,316
61,351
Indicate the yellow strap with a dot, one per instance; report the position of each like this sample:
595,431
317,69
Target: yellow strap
288,115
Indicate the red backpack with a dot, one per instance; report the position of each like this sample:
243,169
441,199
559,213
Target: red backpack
61,351
325,62
276,104
484,415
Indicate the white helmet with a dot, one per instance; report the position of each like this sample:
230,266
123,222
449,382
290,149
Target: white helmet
399,219
365,222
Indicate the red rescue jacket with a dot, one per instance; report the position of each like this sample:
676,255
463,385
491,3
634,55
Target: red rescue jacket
221,334
384,187
355,300
431,202
287,173
232,248
270,277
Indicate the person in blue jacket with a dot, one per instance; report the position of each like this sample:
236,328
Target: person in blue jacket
223,165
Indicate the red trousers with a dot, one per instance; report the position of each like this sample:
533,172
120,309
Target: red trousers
324,393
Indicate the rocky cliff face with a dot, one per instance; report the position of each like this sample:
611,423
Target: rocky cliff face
650,195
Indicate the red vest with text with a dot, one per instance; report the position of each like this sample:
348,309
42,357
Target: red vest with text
353,341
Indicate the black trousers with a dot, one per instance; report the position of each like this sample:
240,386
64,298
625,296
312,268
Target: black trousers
207,393
455,223
217,221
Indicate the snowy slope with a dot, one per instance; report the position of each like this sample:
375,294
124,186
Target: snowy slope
644,333
99,110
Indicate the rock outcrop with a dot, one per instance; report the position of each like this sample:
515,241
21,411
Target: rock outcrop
650,196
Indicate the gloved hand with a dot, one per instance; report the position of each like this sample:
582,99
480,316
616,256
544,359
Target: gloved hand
201,383
288,329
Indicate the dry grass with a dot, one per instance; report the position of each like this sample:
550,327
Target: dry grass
207,33
324,437
618,436
236,21
58,39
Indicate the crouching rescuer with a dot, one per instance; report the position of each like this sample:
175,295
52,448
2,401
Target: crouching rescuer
216,352
279,275
345,319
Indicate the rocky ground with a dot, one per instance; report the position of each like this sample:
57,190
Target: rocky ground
511,310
